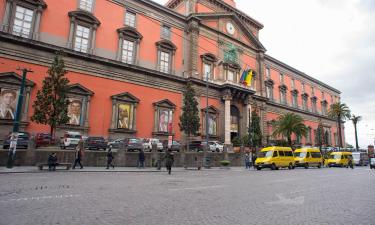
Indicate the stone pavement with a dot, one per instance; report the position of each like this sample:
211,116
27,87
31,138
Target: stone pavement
223,197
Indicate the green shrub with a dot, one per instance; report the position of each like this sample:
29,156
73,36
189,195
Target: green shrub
225,162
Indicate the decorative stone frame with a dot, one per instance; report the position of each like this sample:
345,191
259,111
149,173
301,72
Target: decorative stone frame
209,59
11,80
37,6
80,92
313,104
232,67
163,104
130,34
86,19
305,98
123,98
283,89
294,94
92,8
324,104
269,83
169,47
213,111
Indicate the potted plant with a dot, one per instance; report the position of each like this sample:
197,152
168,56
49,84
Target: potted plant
237,142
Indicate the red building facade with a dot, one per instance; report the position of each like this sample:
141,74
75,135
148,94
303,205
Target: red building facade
129,60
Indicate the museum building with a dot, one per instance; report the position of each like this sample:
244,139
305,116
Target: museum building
128,62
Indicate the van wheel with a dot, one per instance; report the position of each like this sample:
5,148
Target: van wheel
290,166
319,165
306,165
273,167
259,168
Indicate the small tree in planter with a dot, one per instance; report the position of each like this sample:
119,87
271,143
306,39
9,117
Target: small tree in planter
225,163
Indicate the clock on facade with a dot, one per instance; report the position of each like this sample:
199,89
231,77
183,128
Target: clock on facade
230,28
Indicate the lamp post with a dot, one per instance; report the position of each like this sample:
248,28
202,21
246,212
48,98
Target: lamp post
16,123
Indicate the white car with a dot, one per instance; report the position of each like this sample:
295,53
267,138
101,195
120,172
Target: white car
216,146
147,144
70,139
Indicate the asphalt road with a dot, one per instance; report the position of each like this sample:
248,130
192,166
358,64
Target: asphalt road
235,196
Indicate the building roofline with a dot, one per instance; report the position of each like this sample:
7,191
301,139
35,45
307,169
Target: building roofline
278,62
237,11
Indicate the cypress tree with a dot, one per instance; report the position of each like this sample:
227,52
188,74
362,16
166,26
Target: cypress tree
51,104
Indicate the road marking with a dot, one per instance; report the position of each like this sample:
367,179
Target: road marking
196,188
288,201
38,198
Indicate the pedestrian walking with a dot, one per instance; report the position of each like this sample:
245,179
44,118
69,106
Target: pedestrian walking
79,154
141,159
247,161
52,162
169,159
110,159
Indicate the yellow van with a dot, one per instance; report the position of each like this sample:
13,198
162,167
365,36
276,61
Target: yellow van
275,157
340,159
306,157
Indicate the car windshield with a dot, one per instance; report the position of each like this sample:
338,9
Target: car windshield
23,137
356,156
335,156
78,136
134,141
97,138
300,154
265,154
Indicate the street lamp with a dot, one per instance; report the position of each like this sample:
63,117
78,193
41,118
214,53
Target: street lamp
16,123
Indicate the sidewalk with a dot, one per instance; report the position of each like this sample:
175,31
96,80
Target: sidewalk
35,169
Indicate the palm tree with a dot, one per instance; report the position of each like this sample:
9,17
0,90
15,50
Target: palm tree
355,119
289,124
339,112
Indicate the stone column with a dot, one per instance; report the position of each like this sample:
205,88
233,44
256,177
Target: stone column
92,46
227,139
260,80
71,33
193,34
37,23
114,117
87,113
119,47
7,12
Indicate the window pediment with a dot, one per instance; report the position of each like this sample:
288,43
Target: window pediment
84,16
13,78
314,98
125,97
79,90
305,96
166,103
294,92
36,3
211,110
283,87
209,57
269,82
232,65
130,32
166,44
324,102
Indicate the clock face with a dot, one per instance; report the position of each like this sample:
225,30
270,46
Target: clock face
230,28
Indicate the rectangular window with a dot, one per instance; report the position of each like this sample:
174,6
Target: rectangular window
230,75
130,19
127,52
303,88
269,91
293,83
82,38
268,73
22,22
281,78
86,5
313,106
207,71
294,101
282,97
166,32
312,91
304,103
164,62
323,97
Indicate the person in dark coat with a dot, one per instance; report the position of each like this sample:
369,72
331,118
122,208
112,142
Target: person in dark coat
169,159
52,162
110,159
79,154
141,159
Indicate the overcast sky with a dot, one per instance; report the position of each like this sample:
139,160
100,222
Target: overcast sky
331,40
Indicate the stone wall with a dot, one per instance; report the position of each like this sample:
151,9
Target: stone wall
98,158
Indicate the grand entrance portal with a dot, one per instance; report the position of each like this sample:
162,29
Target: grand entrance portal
234,122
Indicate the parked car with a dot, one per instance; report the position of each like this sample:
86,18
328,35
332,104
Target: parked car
360,158
70,139
216,146
43,139
197,146
116,144
372,163
133,144
306,157
22,141
176,146
148,142
340,159
96,143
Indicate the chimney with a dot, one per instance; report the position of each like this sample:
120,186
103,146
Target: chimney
230,2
